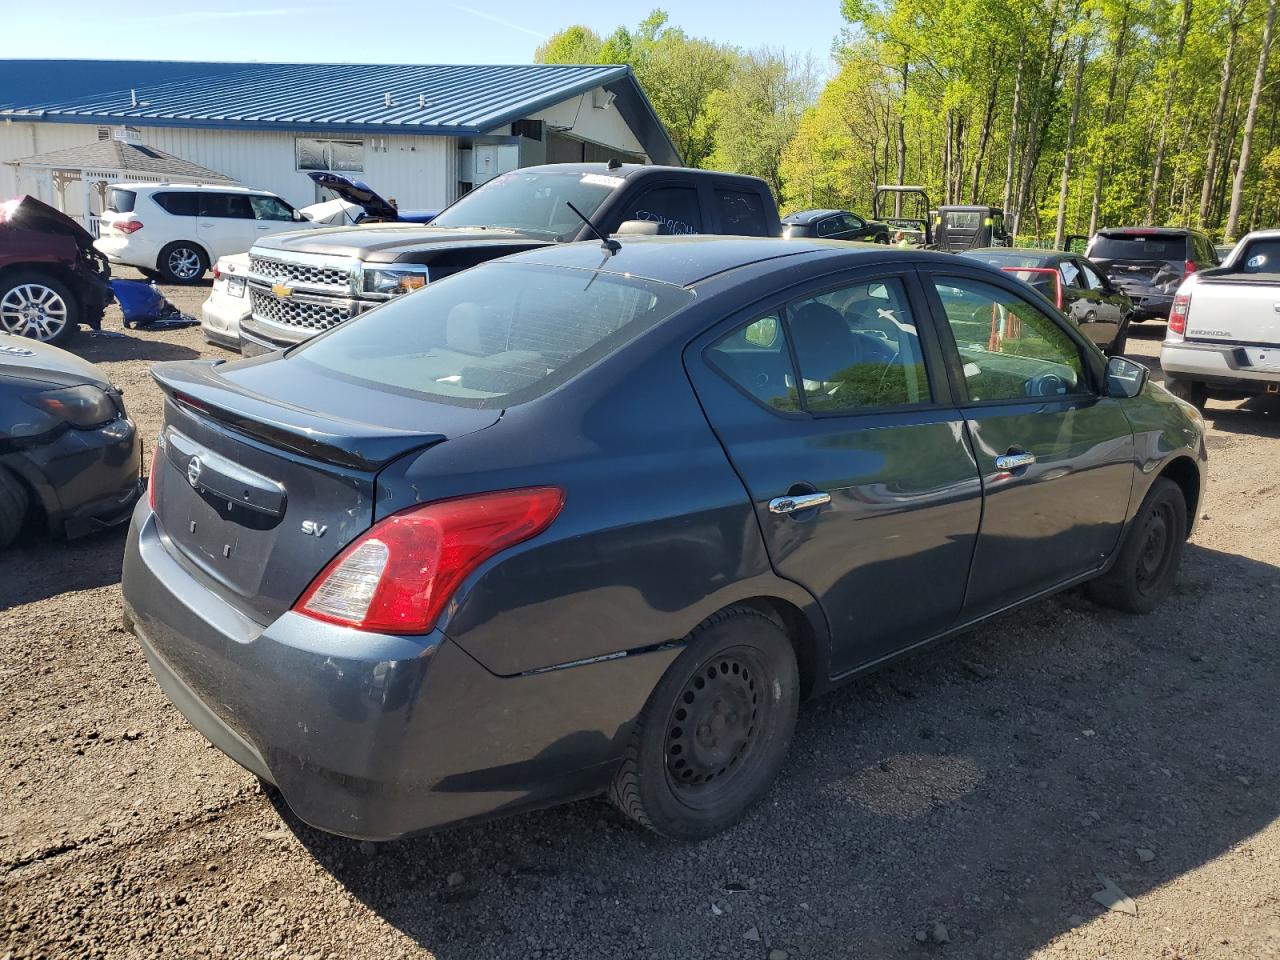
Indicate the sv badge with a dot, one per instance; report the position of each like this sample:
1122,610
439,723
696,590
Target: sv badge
313,529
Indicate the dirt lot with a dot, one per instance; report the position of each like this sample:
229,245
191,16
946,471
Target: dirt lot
966,803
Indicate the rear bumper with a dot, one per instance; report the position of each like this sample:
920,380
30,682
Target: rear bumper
375,736
132,251
1219,365
220,318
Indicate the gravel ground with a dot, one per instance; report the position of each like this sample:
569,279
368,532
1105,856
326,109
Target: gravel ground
974,801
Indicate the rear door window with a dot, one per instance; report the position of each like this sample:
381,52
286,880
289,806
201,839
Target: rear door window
741,213
494,335
226,206
1070,274
755,357
178,203
674,209
1092,278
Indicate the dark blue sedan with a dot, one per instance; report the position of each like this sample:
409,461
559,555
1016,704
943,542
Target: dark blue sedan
574,522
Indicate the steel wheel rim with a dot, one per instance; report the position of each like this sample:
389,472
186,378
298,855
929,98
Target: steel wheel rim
184,263
33,310
1157,539
715,727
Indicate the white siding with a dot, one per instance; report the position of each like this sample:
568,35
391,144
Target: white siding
582,120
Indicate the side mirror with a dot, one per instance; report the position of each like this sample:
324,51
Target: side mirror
1125,378
300,217
636,228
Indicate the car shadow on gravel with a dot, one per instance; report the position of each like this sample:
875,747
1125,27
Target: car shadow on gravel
1257,416
981,794
117,345
65,566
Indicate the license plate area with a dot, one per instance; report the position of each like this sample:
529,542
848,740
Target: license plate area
1263,358
235,286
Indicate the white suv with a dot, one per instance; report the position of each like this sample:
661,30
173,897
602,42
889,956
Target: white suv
176,230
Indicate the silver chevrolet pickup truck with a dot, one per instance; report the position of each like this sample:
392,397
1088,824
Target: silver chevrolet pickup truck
1223,339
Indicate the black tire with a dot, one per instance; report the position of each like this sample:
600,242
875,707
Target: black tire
1146,570
1194,393
696,761
38,306
882,238
13,508
182,262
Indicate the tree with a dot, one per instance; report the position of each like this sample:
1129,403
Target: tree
1242,167
576,44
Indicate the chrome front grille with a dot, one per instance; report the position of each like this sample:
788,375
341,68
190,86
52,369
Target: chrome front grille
303,314
318,275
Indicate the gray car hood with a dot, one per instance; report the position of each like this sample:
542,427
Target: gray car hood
31,360
386,242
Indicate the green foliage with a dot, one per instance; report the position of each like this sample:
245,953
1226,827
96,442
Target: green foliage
974,99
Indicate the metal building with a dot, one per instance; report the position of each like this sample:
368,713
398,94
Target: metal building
422,134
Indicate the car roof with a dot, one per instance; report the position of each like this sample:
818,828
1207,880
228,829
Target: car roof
1160,231
808,216
686,260
182,185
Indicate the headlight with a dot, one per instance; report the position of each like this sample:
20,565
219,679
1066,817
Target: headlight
85,406
394,280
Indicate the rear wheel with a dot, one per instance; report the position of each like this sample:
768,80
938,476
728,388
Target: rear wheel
882,238
13,508
715,731
42,308
182,262
1147,568
1194,393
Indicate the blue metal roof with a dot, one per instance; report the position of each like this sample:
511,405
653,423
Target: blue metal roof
437,99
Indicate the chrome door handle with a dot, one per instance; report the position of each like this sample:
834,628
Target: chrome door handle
1013,461
801,501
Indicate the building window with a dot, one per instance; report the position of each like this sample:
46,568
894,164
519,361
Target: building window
340,156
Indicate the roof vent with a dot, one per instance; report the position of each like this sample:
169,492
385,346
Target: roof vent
386,100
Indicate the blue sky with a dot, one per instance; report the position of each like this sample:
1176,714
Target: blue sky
390,31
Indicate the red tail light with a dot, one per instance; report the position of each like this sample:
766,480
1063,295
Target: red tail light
217,272
399,575
1191,267
1178,315
128,226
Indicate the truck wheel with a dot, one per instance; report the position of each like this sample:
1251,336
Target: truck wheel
34,305
712,737
1147,568
182,262
13,508
1194,393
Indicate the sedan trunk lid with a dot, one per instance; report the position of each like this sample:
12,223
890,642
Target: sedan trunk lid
261,476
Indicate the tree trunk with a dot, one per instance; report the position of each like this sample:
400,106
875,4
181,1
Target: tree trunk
1013,130
1060,232
946,164
902,138
985,137
1158,167
1117,57
1219,110
1246,142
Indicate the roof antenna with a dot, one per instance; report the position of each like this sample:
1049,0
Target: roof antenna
614,163
607,243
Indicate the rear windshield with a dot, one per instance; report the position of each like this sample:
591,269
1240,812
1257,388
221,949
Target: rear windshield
1260,256
1004,259
963,219
122,201
494,335
532,201
1139,246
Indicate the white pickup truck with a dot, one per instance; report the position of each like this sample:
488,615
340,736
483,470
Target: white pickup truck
1223,339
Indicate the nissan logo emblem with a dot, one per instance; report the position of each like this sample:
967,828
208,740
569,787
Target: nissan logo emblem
193,471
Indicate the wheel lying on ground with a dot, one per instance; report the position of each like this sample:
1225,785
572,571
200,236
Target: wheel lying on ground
13,508
1146,570
1194,393
714,733
182,262
34,305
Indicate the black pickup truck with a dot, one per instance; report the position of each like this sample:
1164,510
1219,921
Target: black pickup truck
301,284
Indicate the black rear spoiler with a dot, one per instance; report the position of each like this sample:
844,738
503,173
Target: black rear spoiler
197,387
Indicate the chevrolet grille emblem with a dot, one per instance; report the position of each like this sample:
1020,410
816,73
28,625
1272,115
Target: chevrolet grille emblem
282,291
